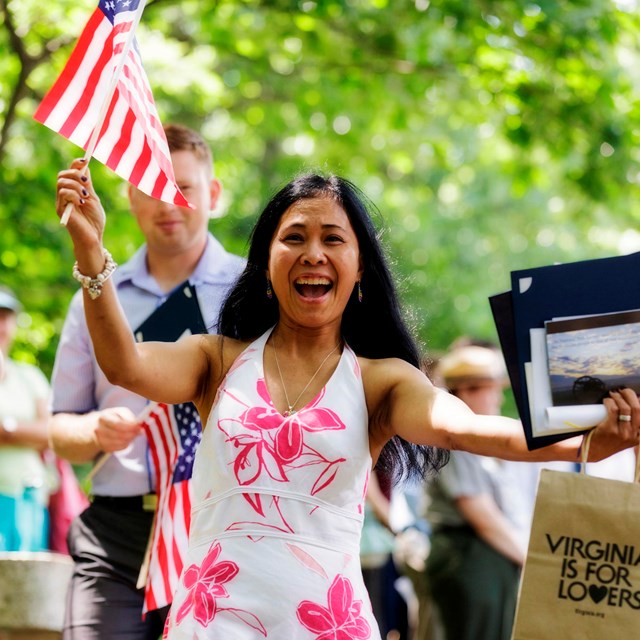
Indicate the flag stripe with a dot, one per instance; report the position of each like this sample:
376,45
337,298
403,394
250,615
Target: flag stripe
162,560
97,84
142,163
87,87
124,142
158,188
72,67
131,87
111,129
106,124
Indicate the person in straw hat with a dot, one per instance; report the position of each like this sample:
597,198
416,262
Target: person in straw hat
477,551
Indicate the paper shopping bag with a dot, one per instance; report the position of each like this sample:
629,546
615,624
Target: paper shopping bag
581,579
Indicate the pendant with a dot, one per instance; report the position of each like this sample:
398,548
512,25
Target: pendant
289,412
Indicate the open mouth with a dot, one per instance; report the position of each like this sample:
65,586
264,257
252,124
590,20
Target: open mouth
313,287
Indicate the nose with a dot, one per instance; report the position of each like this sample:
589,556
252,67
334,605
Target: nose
313,254
165,207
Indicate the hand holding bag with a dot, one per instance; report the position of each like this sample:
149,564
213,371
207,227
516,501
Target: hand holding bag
581,579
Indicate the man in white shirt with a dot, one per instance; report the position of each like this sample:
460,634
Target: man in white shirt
93,417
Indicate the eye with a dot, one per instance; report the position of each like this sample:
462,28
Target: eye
334,239
292,237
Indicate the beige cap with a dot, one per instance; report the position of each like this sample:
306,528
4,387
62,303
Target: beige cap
471,363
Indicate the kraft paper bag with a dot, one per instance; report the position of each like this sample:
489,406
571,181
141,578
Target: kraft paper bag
581,579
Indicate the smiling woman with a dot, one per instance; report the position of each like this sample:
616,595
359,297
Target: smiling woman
279,485
321,228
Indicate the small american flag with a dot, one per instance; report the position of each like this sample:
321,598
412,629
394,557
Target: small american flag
103,103
173,431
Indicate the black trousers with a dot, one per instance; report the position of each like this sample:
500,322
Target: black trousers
389,607
474,587
107,543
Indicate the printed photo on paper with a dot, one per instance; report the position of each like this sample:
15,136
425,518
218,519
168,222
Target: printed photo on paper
590,355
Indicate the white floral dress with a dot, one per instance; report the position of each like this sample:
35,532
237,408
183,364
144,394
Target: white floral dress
278,510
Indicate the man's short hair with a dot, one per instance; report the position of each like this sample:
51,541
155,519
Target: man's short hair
181,138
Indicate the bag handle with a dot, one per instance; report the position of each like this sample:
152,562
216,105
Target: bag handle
584,456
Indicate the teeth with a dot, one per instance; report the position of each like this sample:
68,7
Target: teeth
316,281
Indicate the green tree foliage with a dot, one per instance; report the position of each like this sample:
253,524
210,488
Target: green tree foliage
491,135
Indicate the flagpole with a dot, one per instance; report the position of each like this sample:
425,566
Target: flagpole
106,102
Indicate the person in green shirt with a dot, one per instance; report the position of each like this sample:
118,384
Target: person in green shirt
24,487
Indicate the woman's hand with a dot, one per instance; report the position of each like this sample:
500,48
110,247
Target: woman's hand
621,429
86,224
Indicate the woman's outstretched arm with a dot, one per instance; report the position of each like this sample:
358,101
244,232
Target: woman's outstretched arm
411,407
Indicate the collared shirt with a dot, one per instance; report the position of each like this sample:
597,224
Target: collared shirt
79,386
22,386
468,474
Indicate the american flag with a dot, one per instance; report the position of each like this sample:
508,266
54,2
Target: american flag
128,135
173,431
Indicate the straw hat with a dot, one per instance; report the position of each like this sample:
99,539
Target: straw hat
471,364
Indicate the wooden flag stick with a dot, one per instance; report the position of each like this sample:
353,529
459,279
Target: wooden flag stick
98,465
143,576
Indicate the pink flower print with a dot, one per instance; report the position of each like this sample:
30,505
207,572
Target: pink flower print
340,620
256,455
205,584
270,442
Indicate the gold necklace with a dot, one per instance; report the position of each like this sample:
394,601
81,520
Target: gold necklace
290,411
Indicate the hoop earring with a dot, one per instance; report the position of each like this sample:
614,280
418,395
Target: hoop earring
269,289
359,292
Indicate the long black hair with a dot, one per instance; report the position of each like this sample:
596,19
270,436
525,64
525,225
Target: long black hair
373,328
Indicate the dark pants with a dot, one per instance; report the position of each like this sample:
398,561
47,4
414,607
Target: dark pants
389,608
473,586
108,545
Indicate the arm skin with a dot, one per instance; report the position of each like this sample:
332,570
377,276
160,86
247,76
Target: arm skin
402,401
490,525
140,368
31,434
82,437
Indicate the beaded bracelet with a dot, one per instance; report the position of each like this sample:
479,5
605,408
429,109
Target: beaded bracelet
94,285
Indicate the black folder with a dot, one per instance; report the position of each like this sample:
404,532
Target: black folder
603,285
178,315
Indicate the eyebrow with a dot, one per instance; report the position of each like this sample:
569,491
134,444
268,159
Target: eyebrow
302,225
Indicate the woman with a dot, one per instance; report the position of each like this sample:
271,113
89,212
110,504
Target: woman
313,380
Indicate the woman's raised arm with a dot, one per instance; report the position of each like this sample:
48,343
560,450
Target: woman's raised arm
166,372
